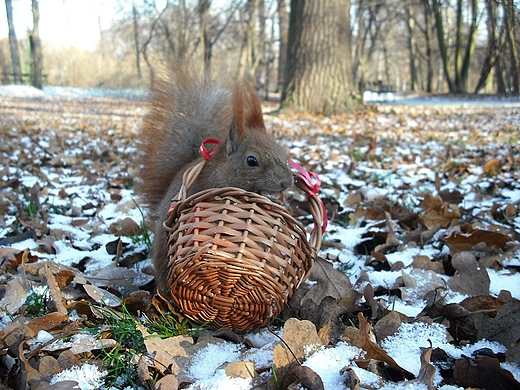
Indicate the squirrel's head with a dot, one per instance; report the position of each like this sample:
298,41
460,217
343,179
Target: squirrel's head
254,160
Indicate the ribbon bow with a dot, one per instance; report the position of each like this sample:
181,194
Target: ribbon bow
204,152
312,189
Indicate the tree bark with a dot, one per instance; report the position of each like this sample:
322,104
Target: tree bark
136,44
428,37
442,43
494,44
411,47
205,39
318,70
13,43
36,48
283,22
514,66
247,52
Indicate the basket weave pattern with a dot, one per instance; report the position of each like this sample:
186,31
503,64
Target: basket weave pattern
235,257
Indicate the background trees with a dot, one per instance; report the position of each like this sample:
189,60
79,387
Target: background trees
409,45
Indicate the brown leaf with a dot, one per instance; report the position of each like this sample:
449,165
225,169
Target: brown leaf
492,167
481,240
427,370
504,327
424,262
47,322
438,211
330,283
307,377
469,279
483,372
352,381
371,348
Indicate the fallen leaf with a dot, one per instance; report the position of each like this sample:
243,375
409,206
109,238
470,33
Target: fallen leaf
371,348
483,372
469,279
438,211
492,167
427,371
479,240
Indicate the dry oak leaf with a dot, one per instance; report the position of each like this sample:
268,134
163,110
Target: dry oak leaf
331,283
469,279
372,349
427,370
483,372
438,211
492,167
477,240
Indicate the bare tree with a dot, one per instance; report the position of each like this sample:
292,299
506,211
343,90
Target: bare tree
36,48
509,12
13,43
318,70
136,43
458,82
247,54
283,26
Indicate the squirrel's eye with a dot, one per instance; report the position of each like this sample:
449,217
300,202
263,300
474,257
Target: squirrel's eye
252,161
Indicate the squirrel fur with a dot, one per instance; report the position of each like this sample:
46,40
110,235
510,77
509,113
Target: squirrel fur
187,106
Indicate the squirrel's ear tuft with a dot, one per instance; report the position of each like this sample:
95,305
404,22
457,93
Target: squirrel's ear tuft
253,115
246,108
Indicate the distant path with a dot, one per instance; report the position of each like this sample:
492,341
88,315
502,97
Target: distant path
442,100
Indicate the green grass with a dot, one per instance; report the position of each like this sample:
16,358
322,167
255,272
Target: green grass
142,236
36,304
121,327
166,325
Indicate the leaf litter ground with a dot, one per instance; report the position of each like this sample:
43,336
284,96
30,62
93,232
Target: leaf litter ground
417,286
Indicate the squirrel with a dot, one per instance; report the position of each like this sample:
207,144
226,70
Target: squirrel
187,106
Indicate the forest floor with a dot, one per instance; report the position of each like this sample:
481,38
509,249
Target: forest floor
416,285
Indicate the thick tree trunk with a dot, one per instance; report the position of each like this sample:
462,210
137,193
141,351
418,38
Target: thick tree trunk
36,48
283,21
318,71
13,43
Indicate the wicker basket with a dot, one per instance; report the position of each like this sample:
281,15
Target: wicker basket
236,257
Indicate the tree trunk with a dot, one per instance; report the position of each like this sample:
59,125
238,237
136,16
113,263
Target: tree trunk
463,74
259,61
283,22
509,11
494,45
136,43
318,78
247,52
13,43
428,37
36,48
442,43
411,48
205,39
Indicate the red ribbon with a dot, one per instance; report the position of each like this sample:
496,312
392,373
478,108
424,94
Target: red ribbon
314,188
204,152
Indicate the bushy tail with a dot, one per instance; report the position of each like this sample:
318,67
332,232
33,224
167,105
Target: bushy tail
187,105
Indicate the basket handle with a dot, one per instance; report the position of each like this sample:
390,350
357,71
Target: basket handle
310,183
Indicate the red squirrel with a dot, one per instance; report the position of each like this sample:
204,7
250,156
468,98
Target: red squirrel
187,106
